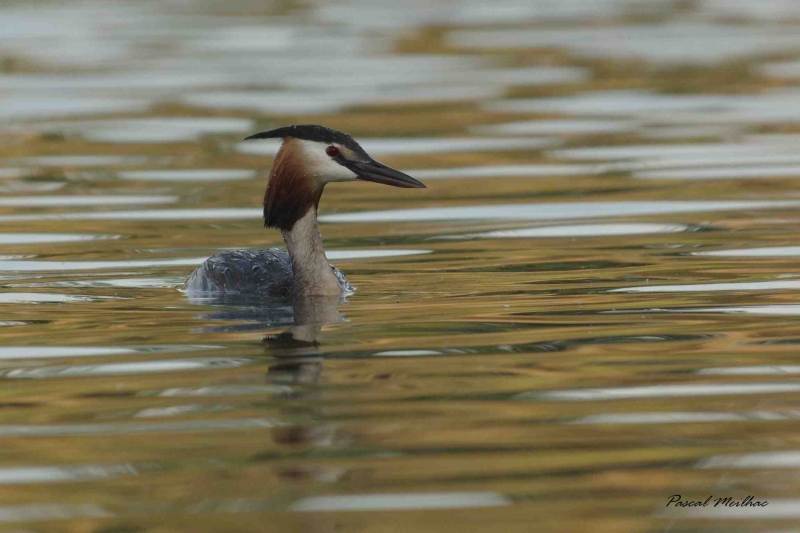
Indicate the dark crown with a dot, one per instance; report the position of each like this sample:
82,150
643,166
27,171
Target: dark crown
313,132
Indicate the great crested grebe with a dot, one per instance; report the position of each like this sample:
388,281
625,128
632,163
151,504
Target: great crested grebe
310,157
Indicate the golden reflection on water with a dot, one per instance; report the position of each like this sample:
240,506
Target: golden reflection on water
568,352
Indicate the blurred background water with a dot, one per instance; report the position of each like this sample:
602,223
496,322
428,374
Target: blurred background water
590,309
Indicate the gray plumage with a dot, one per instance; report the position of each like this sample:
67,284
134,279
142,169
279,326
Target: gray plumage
259,272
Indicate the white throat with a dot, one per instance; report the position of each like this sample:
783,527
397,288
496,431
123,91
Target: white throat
313,275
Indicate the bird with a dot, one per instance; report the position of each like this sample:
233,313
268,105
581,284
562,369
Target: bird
310,157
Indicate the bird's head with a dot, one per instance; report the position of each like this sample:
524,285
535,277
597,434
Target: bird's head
310,157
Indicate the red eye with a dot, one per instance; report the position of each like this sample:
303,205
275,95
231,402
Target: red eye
332,151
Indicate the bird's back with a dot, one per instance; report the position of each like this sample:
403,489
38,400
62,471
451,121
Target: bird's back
252,272
263,272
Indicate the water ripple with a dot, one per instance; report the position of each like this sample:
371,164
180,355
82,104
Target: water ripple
691,417
777,459
39,352
70,266
774,251
49,238
714,287
553,211
193,175
385,502
42,297
55,474
140,367
62,430
419,145
51,511
660,391
588,230
70,201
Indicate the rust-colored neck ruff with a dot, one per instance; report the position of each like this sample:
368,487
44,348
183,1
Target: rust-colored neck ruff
291,190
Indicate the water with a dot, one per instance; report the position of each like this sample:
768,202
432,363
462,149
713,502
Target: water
593,307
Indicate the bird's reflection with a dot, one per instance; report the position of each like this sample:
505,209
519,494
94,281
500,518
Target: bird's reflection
304,316
298,356
299,361
298,353
296,349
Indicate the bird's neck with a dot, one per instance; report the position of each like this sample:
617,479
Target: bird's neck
313,275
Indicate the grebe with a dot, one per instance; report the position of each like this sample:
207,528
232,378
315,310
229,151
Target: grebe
310,157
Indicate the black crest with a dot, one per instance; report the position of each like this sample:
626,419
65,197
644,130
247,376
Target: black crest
312,132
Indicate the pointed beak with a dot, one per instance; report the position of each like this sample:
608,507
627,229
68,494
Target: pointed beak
380,173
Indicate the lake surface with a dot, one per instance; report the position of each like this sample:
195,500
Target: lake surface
594,306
